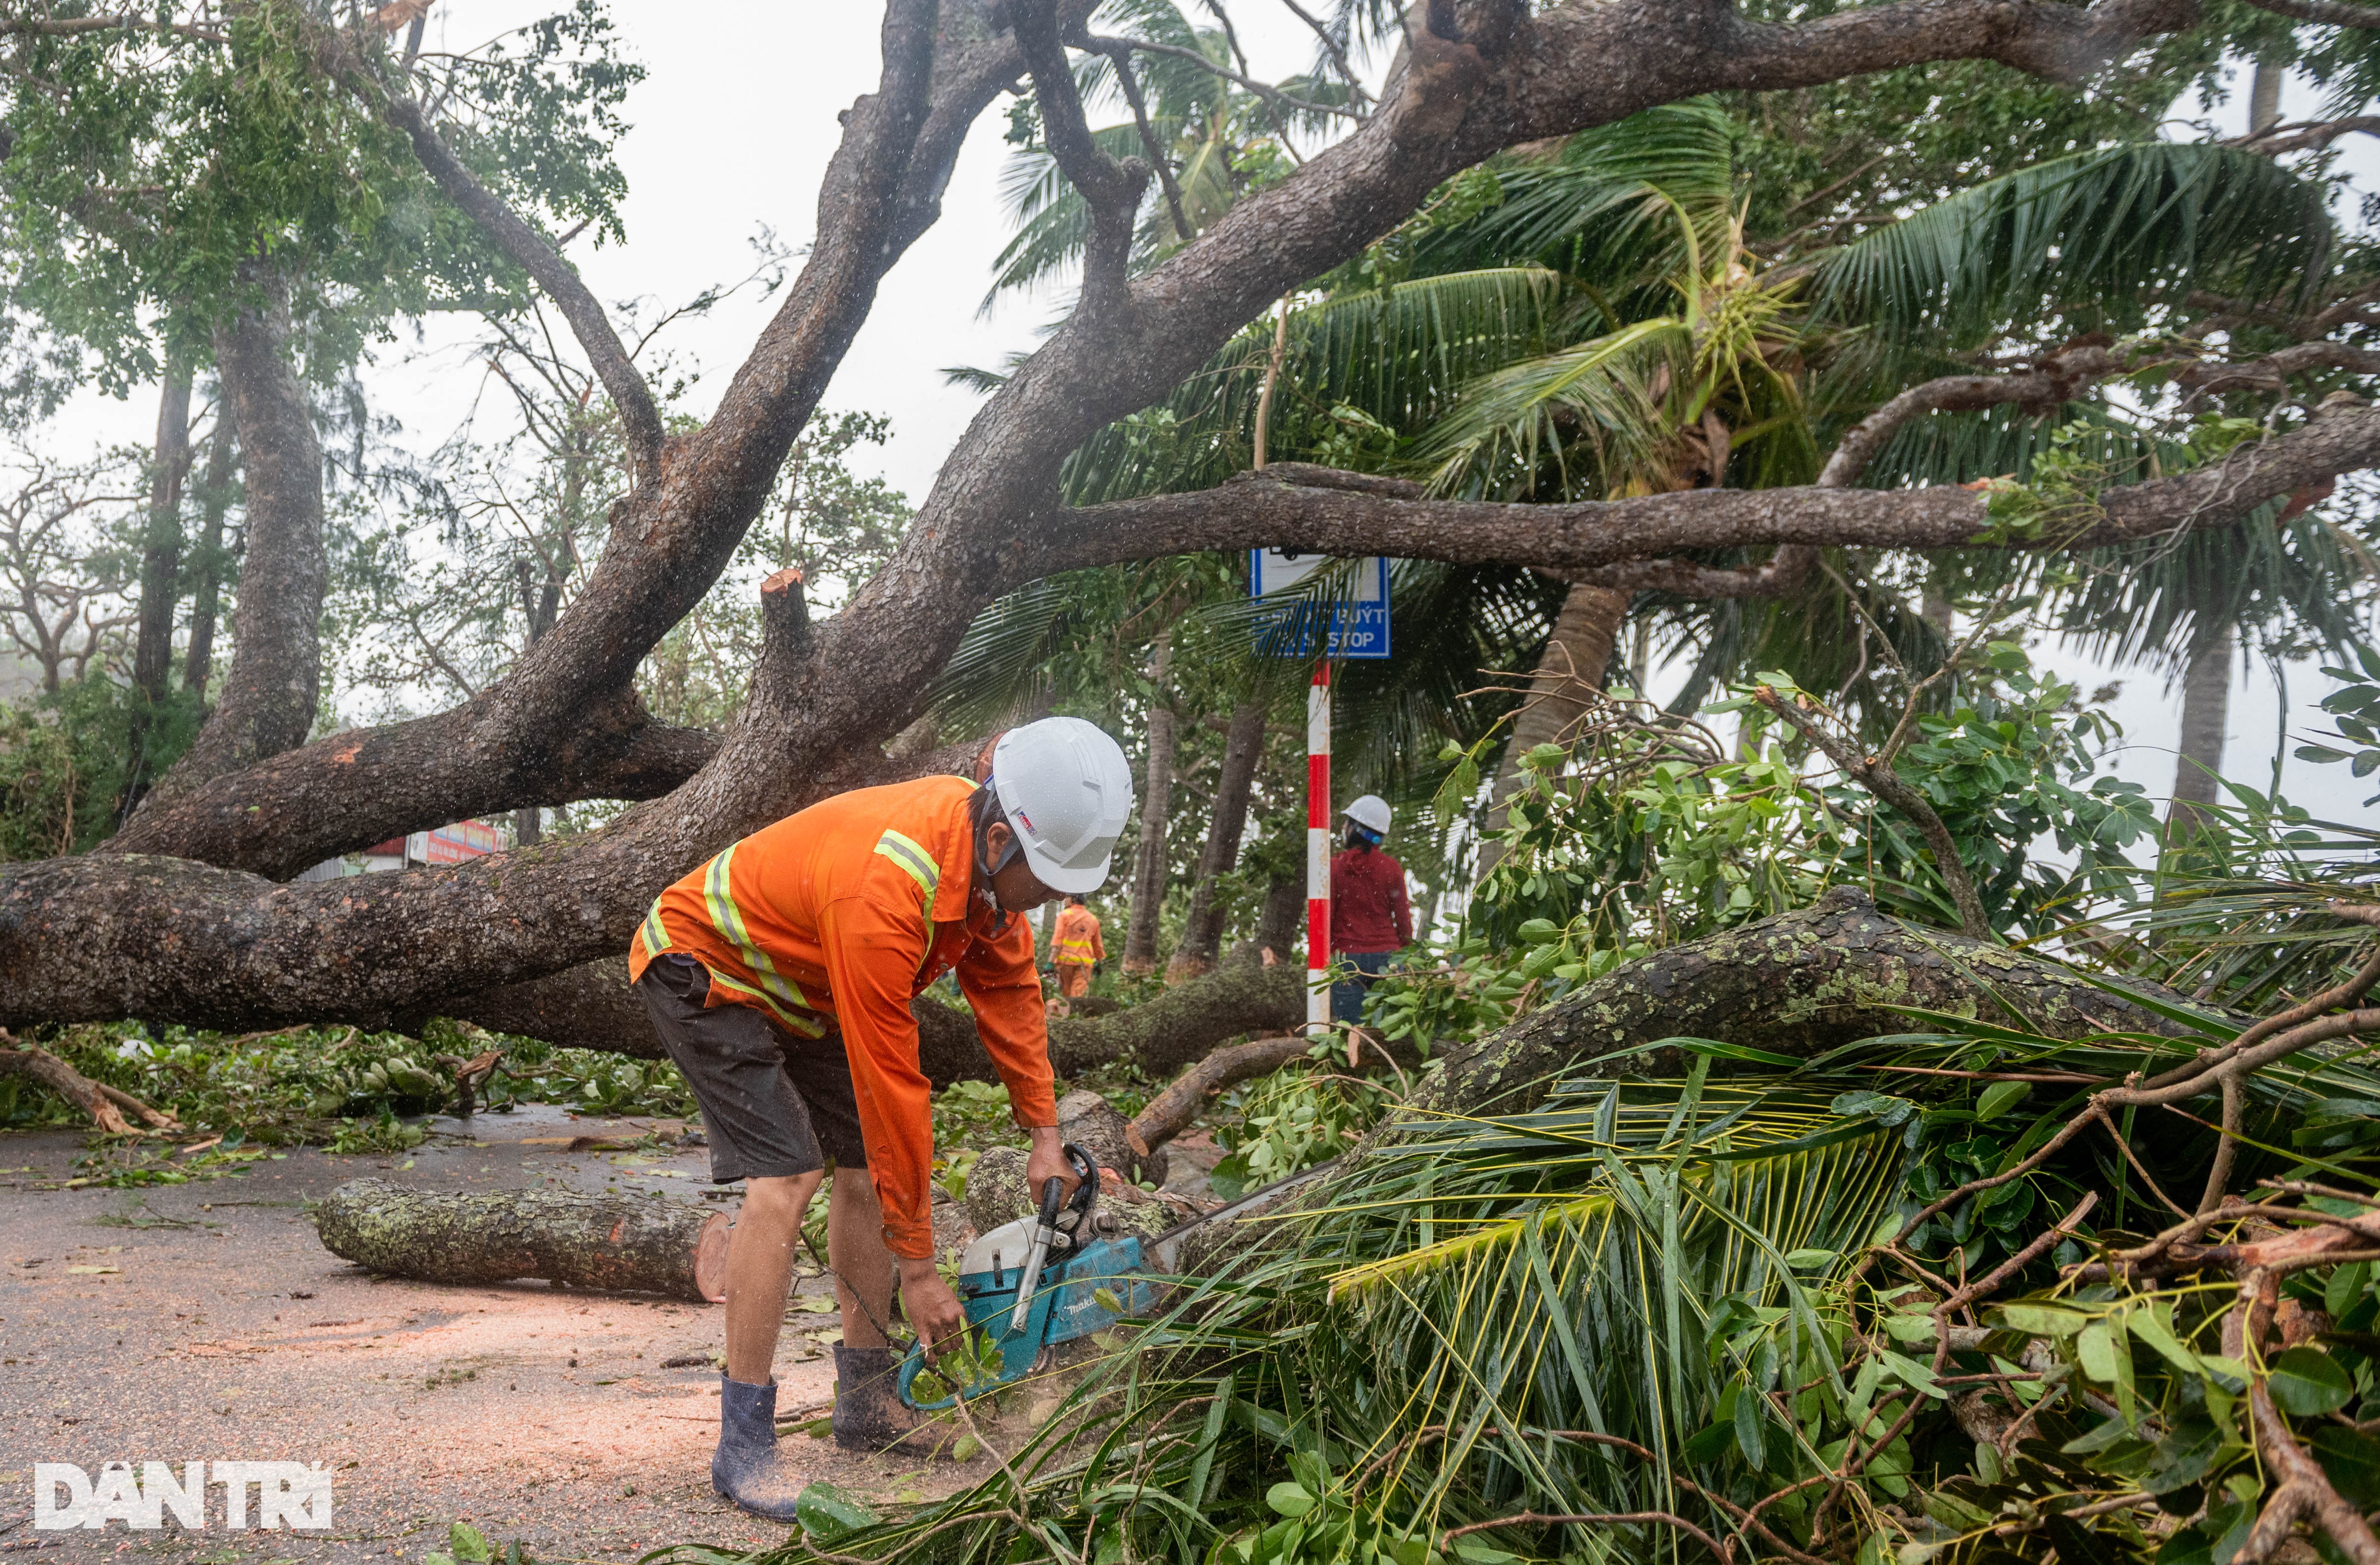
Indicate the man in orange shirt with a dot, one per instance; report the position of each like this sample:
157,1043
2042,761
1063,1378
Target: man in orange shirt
779,976
1075,947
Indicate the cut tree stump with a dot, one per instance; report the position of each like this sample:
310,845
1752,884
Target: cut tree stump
617,1242
99,1100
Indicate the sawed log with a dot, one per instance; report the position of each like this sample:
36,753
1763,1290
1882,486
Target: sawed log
627,1244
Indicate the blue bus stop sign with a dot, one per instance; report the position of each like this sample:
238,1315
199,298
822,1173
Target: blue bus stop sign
1358,625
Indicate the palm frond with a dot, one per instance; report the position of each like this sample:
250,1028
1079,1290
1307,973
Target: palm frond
2094,240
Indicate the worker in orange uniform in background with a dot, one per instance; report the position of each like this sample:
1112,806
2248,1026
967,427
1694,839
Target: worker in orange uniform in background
779,976
1075,947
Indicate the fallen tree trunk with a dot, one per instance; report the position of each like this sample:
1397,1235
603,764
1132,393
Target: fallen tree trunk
1179,1103
608,1241
1796,984
1160,1038
592,1006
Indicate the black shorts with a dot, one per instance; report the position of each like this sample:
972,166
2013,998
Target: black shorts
773,1105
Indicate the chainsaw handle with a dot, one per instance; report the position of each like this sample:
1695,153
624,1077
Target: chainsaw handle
912,1367
1086,1192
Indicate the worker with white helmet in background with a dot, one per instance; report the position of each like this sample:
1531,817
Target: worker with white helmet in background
779,976
1371,913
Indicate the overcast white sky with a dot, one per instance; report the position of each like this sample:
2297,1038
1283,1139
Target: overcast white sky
731,132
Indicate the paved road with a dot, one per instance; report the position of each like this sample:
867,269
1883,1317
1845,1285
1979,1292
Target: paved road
204,1321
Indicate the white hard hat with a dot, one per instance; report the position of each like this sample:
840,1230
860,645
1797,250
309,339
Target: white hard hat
1371,813
1066,791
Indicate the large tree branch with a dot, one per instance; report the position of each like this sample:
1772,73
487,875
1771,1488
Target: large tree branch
123,21
2273,141
2039,390
992,519
2322,13
1260,509
640,421
1109,189
560,722
342,56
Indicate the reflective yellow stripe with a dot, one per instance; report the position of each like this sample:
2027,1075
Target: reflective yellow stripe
728,919
809,1026
656,936
913,858
921,867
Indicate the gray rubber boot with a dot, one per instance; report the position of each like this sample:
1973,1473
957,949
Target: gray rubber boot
869,1412
748,1468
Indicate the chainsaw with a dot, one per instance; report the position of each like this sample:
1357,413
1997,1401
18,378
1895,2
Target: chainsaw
1039,1281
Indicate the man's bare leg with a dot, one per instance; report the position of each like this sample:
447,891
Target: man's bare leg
863,1266
761,1254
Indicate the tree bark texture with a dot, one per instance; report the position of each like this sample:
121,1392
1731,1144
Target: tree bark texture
1281,928
161,575
276,662
1171,1110
161,550
2264,97
1160,1038
1796,983
1148,868
1202,931
823,697
2205,708
998,1192
616,1242
206,594
1568,674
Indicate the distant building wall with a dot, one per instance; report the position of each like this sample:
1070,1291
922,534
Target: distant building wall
455,844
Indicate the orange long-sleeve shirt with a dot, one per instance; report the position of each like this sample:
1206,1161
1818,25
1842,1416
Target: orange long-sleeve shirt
849,908
1076,940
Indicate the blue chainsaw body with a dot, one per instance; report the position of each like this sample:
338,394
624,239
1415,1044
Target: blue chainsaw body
1066,1307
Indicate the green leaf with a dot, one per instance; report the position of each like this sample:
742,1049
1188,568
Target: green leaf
1749,1434
1480,1553
2351,1461
1809,1260
2042,1320
2183,1457
1914,1374
828,1514
1999,1097
1289,1500
469,1546
1708,1444
2096,1348
2307,1382
2345,1287
2148,1325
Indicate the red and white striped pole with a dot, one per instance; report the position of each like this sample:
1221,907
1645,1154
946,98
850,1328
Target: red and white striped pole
1317,848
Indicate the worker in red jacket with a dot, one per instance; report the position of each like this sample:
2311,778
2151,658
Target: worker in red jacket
1371,917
